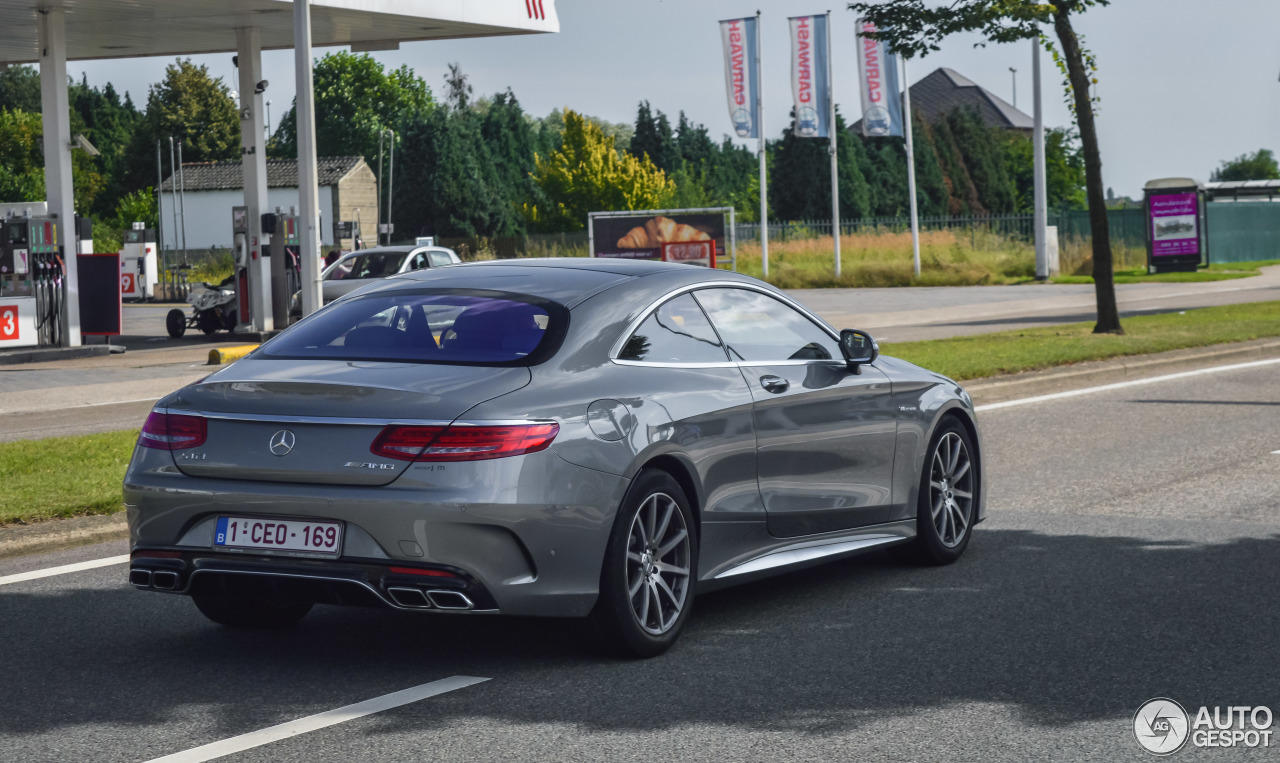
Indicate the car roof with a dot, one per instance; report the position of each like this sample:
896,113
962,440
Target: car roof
567,280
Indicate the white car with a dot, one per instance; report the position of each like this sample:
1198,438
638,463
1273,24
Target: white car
359,268
368,265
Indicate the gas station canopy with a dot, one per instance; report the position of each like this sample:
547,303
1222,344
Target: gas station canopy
52,32
98,29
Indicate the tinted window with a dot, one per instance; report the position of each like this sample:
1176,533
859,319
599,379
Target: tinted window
485,328
757,327
677,332
372,265
418,262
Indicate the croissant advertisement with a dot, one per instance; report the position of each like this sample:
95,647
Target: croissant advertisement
641,237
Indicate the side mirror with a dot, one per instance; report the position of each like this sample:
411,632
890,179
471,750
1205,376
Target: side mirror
858,348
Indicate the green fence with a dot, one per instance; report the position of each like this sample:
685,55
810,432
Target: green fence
1243,231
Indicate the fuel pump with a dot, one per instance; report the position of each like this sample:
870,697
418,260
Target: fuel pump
240,246
139,272
18,307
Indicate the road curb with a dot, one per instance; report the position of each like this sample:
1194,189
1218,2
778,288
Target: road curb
994,389
219,356
54,534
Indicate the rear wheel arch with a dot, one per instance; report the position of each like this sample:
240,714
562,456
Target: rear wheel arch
683,474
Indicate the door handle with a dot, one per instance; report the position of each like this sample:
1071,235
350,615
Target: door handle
774,383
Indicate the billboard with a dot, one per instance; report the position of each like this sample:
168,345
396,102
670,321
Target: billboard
641,236
878,81
810,90
741,75
1175,228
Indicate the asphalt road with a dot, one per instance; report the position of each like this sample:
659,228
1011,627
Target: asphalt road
1131,553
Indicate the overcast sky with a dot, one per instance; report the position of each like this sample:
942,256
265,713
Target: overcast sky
1156,58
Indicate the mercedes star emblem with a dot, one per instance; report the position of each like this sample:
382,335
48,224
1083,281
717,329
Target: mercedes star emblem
282,442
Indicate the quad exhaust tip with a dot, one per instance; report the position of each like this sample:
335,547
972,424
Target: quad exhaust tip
412,598
449,600
165,580
140,577
416,598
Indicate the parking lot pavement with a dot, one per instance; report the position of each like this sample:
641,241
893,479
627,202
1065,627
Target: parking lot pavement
1130,553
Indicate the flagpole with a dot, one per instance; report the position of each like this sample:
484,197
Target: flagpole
911,168
831,131
764,188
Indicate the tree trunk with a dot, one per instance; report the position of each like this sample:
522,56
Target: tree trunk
1103,281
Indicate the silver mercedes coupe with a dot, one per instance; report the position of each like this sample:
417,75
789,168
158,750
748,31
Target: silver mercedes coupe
567,437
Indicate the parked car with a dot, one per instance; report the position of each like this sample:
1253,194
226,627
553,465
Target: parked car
359,268
571,438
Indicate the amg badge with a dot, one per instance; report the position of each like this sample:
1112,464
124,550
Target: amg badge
367,465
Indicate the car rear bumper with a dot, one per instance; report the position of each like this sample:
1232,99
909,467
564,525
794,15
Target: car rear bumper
526,535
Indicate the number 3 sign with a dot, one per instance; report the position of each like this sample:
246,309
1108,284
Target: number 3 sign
8,322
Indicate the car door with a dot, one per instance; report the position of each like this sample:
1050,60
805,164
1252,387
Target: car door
684,392
824,435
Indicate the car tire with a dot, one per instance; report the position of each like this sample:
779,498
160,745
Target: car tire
251,613
645,599
175,322
947,502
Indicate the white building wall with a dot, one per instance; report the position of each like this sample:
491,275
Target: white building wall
208,216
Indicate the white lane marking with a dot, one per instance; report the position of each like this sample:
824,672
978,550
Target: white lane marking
319,721
63,570
1121,385
1275,452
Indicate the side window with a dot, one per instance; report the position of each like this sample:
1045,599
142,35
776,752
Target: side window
677,332
440,259
757,327
418,262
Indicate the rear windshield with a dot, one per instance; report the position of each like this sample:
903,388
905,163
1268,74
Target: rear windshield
372,265
461,327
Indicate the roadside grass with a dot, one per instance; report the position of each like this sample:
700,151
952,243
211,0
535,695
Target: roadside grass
64,476
1216,272
883,258
1006,352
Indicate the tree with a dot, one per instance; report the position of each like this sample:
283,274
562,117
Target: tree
1257,166
913,28
356,99
22,163
458,89
192,107
654,139
586,174
20,89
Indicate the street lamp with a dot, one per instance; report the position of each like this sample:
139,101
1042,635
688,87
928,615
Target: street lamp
1014,72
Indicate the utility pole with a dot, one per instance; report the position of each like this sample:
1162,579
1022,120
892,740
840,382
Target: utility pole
1040,188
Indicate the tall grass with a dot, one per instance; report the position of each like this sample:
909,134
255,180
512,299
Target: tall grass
883,258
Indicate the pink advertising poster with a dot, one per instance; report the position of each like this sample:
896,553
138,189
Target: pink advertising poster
1174,225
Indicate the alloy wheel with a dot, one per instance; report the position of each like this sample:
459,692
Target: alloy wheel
658,554
951,489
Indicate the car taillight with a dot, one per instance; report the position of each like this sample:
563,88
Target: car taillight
172,431
403,443
462,443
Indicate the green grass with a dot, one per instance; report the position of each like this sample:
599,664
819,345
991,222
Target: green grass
973,357
64,476
1217,272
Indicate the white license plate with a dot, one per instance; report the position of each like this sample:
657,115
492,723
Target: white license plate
278,534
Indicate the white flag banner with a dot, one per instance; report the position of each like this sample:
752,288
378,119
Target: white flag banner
741,78
810,89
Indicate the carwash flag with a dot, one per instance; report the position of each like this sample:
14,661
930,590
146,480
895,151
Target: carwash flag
810,87
878,80
741,77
